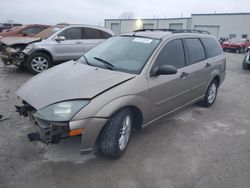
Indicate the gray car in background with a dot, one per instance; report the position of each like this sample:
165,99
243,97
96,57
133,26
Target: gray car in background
127,82
59,43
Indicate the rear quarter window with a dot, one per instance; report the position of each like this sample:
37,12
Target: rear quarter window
212,47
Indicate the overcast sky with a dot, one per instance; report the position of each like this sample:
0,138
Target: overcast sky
95,11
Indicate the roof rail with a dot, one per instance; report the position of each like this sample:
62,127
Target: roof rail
141,30
175,30
190,31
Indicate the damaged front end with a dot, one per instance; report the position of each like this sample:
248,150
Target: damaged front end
13,50
46,131
12,55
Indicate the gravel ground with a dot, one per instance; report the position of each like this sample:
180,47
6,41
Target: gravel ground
196,147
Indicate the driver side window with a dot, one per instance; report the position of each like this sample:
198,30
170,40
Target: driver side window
172,54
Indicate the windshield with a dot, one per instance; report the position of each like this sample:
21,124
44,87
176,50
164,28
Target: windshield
48,32
126,54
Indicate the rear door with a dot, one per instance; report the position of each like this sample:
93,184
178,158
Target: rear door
92,37
198,66
168,92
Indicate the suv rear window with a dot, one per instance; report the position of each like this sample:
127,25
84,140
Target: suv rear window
196,50
212,47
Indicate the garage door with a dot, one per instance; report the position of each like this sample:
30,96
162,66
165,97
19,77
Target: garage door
176,26
115,27
214,30
148,26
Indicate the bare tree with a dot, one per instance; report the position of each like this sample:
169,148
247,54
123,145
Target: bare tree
127,15
10,21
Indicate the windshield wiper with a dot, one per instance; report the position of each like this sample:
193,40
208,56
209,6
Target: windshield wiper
106,63
86,60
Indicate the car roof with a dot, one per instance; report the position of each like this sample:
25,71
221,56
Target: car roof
165,33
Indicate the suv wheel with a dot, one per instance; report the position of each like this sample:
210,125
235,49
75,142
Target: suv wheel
38,62
211,93
116,134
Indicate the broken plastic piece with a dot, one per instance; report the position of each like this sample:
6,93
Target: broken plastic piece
33,136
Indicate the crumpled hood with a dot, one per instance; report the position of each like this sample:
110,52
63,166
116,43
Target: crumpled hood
9,41
68,81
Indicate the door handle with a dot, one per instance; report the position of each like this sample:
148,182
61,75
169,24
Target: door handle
184,75
207,65
78,42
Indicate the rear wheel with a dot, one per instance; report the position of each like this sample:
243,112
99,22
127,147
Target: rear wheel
38,62
211,93
116,134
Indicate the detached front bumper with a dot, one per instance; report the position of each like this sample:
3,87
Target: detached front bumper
92,128
53,132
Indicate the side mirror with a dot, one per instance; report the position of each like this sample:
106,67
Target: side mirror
164,70
60,38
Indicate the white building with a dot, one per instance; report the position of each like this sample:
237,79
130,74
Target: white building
226,25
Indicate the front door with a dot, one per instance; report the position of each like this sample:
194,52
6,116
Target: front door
169,92
72,47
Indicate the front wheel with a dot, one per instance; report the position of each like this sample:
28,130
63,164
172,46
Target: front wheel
38,62
211,93
116,134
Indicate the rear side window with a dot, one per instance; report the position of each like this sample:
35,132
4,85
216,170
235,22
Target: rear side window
195,50
90,33
172,54
212,47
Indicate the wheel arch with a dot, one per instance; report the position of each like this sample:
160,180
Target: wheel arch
215,74
137,119
139,106
43,51
217,78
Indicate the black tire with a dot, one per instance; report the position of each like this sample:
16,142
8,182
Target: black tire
111,134
244,64
206,101
45,60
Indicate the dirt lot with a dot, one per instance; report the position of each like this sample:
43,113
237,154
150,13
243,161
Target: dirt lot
195,148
